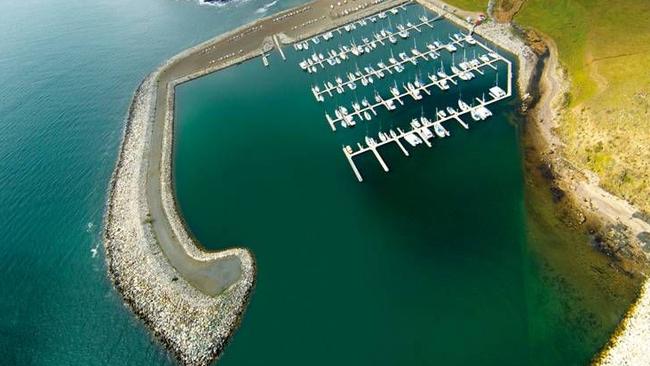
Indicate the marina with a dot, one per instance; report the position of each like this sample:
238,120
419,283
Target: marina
273,177
409,76
367,45
420,129
411,89
394,65
145,180
347,28
247,170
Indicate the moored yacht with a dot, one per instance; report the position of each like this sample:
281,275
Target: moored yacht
463,106
475,115
412,139
440,131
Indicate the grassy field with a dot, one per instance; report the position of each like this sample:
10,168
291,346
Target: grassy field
606,51
471,5
605,47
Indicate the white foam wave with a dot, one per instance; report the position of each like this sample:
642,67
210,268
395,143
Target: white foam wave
216,4
266,7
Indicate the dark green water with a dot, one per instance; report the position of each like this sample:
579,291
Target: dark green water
441,261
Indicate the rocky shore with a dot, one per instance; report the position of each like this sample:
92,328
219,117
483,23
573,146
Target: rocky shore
629,345
193,326
549,82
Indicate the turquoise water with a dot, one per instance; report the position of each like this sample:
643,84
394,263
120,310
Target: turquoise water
432,263
67,73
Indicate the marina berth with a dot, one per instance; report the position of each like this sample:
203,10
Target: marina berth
441,82
367,45
419,133
395,66
350,28
476,58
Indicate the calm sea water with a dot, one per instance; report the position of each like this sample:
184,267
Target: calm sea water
430,262
441,261
67,73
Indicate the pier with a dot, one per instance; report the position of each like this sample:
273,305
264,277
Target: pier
348,28
366,46
277,45
347,119
420,130
366,76
423,130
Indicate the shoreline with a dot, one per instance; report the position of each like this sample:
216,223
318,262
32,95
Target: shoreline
628,342
542,84
582,184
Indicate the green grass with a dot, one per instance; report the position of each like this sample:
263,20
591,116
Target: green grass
566,21
471,5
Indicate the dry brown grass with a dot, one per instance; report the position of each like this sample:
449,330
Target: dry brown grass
505,10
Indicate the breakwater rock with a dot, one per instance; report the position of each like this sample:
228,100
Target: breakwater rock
192,325
629,345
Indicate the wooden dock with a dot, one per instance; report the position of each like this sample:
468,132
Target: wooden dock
419,131
389,68
348,49
358,24
439,82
